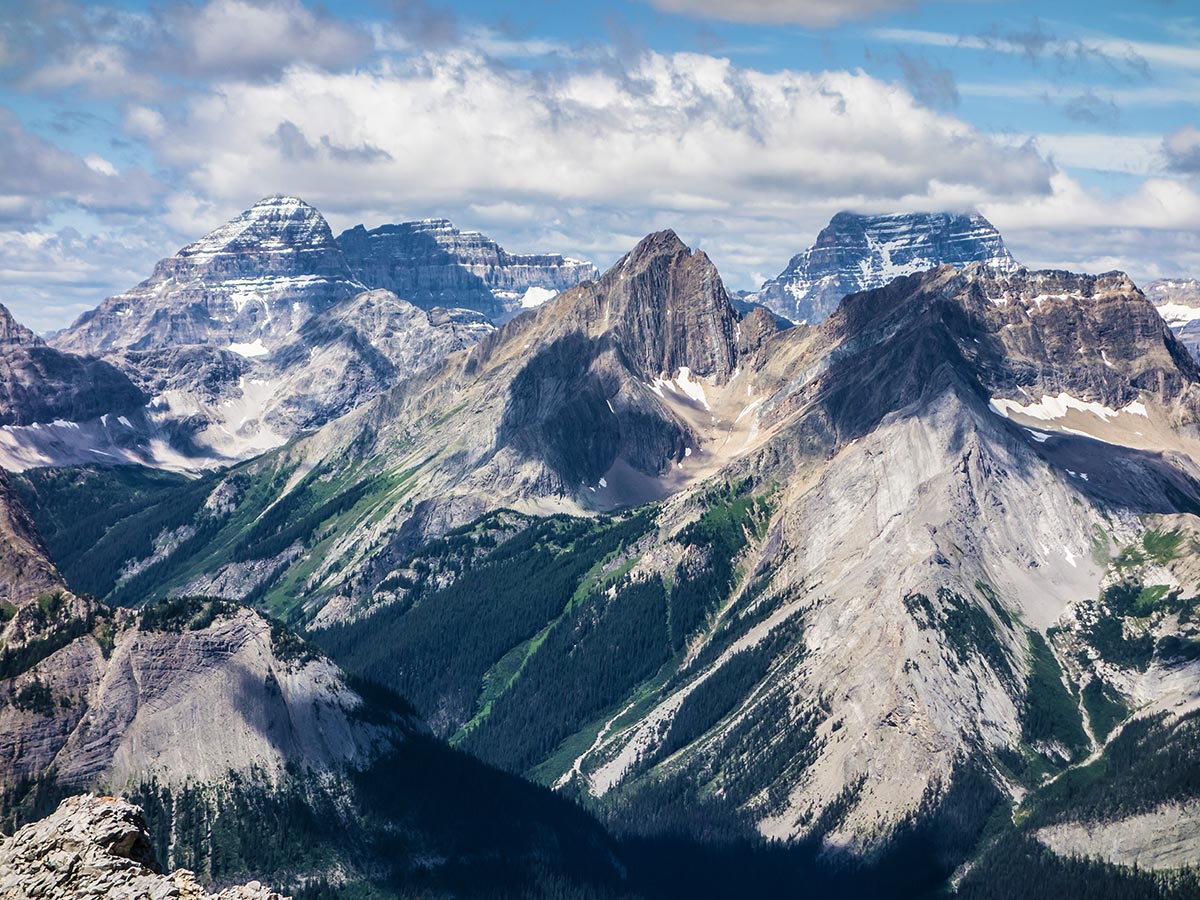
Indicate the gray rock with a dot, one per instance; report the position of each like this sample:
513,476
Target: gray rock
256,278
39,384
856,253
431,263
92,847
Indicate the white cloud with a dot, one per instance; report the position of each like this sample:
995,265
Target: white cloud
257,37
99,70
100,165
816,13
106,52
1037,44
144,122
683,132
1129,154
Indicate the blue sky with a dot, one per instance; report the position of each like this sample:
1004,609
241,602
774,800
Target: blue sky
130,128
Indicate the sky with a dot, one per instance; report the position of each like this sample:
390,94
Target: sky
130,128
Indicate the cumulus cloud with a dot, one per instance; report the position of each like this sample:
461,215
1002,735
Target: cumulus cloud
256,38
815,13
107,52
681,132
1182,150
100,70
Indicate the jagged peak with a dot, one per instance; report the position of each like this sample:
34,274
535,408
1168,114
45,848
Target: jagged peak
660,242
662,245
13,332
276,222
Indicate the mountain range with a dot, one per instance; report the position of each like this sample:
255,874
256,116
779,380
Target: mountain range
263,329
898,602
859,252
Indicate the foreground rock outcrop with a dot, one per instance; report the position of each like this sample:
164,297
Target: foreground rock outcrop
98,847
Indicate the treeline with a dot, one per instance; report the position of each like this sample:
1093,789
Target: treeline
96,520
1019,867
1153,761
588,662
436,648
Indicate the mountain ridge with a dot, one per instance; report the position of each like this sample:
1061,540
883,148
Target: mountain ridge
859,252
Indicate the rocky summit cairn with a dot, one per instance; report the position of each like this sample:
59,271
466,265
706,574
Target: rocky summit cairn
93,847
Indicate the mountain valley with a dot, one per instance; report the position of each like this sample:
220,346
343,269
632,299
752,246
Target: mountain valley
885,604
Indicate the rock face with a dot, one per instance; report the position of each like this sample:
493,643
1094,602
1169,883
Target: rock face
188,692
602,384
857,253
1163,839
39,384
250,283
239,342
1178,302
98,847
355,351
431,263
25,567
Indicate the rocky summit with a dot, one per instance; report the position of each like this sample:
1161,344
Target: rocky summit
252,282
859,252
432,263
92,847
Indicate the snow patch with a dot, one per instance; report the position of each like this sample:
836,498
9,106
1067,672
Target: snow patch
753,406
1177,314
693,389
1051,408
682,384
251,350
535,296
